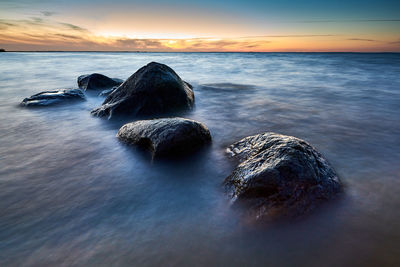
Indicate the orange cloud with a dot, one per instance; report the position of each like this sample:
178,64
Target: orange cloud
42,33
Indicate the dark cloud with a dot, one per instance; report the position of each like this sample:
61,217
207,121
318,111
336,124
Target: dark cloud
48,13
32,21
361,39
18,23
37,20
224,45
140,43
395,42
21,23
33,35
255,44
287,36
73,27
344,21
205,44
270,36
198,44
68,36
6,23
251,46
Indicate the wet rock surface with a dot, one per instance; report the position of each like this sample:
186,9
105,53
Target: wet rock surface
48,98
154,89
107,92
96,81
170,137
279,176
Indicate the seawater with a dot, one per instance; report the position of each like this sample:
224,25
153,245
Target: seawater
72,194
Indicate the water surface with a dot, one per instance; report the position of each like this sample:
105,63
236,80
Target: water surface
71,194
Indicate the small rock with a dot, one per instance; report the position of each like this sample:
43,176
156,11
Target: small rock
168,137
97,81
279,176
53,97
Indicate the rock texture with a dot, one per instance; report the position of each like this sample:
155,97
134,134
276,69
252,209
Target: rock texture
97,81
168,137
154,89
53,97
279,176
107,92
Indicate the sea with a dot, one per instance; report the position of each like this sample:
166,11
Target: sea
71,194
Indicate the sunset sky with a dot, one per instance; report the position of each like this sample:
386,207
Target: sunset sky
200,25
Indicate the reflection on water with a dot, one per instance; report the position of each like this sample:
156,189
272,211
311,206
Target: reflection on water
72,194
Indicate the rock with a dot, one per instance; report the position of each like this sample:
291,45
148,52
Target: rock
53,97
97,81
107,91
154,89
279,176
169,137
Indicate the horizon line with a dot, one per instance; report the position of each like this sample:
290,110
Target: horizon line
127,51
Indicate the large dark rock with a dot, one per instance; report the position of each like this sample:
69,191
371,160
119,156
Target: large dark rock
171,137
154,89
53,97
97,81
279,176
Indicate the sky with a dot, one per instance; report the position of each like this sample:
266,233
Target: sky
201,25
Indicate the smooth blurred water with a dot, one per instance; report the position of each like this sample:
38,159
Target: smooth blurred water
71,194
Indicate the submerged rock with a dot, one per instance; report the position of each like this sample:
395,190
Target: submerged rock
97,81
279,176
154,89
169,137
53,97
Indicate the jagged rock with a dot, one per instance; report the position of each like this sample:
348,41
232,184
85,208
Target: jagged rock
47,98
154,89
97,81
279,176
168,137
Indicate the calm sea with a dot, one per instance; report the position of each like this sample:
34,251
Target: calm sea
72,194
